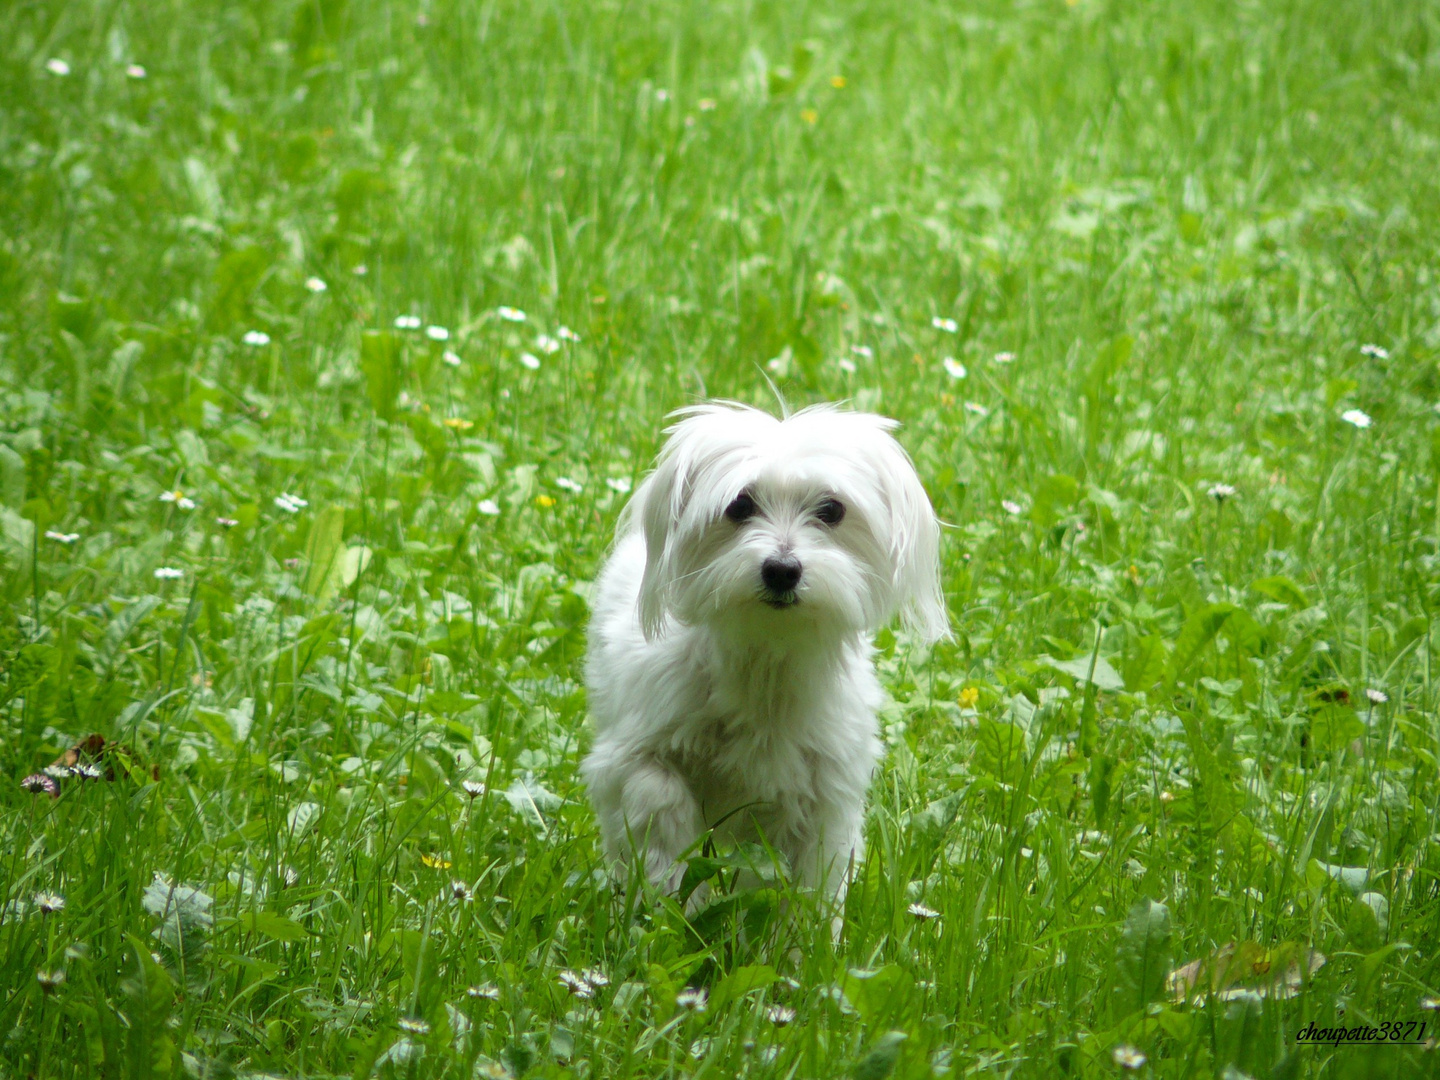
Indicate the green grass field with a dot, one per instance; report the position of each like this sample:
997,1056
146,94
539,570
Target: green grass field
1154,291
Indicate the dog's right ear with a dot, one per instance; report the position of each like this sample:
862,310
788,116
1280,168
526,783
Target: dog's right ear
661,503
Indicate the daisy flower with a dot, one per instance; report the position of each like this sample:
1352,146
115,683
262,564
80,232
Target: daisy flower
1128,1057
1004,357
510,314
1357,417
61,537
451,357
168,573
437,333
413,1024
547,344
291,504
530,360
1379,352
49,902
619,484
256,339
135,71
1220,492
484,991
950,326
315,284
36,783
1011,507
569,485
226,522
488,507
50,981
694,998
923,913
473,788
1376,697
460,892
407,322
566,334
780,1015
863,351
953,368
846,365
179,498
57,67
576,984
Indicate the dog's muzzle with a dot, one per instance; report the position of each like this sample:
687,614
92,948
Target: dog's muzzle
780,574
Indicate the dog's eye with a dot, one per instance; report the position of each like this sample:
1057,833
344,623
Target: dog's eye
741,509
830,512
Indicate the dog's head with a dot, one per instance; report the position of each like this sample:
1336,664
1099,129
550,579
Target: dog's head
815,524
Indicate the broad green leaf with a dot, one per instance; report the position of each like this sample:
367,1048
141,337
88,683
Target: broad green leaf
322,552
880,1062
1144,956
380,361
1199,630
880,993
1000,750
272,925
1282,590
741,981
1103,676
1144,662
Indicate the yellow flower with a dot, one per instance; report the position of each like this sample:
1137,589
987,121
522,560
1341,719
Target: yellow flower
544,501
837,81
968,697
435,862
457,423
809,115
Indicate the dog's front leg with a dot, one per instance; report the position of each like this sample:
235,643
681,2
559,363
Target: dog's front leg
656,819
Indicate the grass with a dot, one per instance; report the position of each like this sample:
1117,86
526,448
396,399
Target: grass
1202,233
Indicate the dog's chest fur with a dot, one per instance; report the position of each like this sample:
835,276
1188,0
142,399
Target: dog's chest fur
774,736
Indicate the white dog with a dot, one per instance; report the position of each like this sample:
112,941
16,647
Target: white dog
729,665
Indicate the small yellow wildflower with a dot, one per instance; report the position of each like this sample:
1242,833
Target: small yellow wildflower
968,697
435,862
458,423
544,501
810,116
837,81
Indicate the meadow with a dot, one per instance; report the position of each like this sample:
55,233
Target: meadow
333,334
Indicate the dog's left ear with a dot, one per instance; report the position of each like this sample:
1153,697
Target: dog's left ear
915,547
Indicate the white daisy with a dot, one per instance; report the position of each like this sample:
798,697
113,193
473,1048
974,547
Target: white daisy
1011,507
484,991
1004,357
923,913
846,365
1376,697
1220,492
950,326
530,360
61,537
49,902
694,998
291,504
510,314
1379,352
1128,1057
566,334
547,344
576,983
168,573
407,322
489,507
619,484
953,368
976,408
414,1025
256,339
437,333
1357,417
451,357
135,71
179,498
315,284
56,66
863,351
473,788
780,1015
361,270
569,485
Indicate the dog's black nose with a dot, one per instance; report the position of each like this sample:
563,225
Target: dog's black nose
781,573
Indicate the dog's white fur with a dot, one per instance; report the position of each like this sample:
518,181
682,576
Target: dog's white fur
720,703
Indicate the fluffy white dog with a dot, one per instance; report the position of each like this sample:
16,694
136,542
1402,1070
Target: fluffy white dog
729,665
